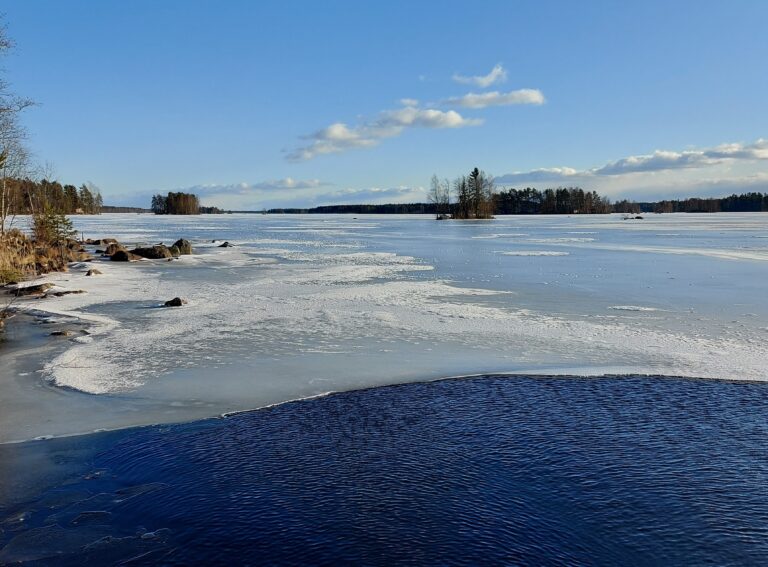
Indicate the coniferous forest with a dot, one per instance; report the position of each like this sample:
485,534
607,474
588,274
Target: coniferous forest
176,204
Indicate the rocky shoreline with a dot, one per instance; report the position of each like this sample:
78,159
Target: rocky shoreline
81,255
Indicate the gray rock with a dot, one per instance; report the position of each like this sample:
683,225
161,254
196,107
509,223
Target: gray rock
156,252
32,289
113,247
184,246
124,256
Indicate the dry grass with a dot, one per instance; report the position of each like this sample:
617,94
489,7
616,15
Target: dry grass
22,258
17,256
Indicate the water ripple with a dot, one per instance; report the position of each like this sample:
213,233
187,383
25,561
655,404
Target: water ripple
492,470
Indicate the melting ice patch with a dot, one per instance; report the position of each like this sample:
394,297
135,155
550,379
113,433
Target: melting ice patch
534,253
564,240
499,235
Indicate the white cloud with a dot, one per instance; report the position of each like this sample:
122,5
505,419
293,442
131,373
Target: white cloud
339,137
497,75
409,102
287,183
664,160
372,195
541,174
318,197
720,170
495,98
658,161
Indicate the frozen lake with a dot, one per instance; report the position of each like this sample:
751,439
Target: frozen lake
305,305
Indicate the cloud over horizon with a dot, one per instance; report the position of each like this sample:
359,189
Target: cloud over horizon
716,171
245,188
658,161
497,75
307,198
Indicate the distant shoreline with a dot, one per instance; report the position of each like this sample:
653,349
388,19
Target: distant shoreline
363,210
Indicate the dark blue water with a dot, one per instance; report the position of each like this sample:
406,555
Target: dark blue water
493,470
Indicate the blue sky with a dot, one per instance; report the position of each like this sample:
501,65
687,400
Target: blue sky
262,104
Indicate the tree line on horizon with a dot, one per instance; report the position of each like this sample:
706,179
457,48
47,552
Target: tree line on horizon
561,200
754,202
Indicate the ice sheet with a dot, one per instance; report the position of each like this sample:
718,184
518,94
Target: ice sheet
291,311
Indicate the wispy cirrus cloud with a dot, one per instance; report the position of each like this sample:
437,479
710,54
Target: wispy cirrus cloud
339,137
496,98
497,75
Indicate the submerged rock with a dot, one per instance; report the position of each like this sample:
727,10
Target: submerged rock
175,302
156,252
226,245
66,333
93,272
184,246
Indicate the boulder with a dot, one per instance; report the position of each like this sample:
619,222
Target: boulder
113,247
62,333
93,272
175,302
226,245
156,252
124,256
175,252
68,292
184,246
32,289
103,241
69,243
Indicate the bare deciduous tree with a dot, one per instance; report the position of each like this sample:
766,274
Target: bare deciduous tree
440,196
14,157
